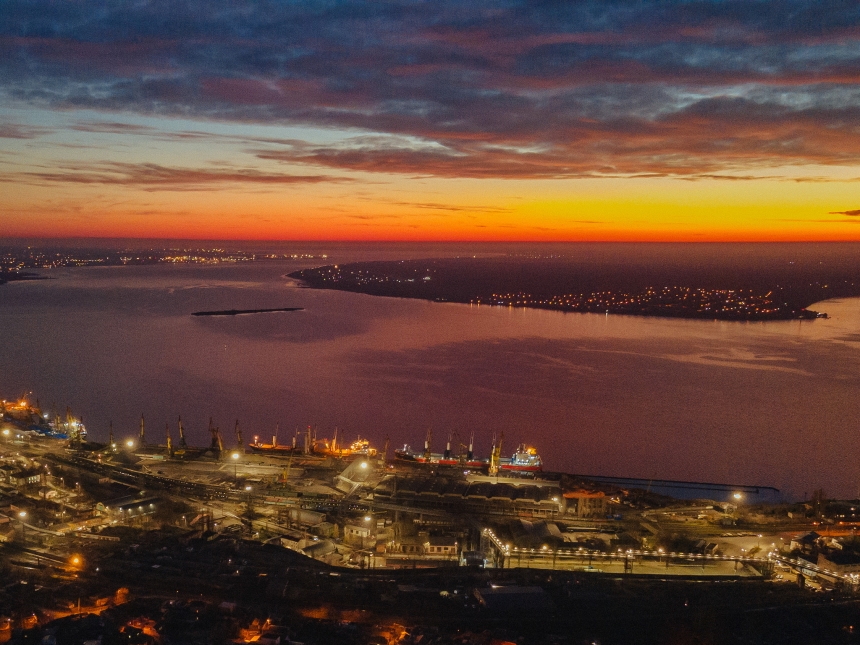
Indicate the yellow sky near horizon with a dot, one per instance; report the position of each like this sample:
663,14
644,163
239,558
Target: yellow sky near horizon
390,207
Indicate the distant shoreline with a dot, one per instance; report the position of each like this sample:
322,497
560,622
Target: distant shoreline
528,284
804,314
242,312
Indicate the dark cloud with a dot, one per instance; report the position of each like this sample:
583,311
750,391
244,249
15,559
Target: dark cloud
18,131
551,89
436,206
156,177
711,136
373,217
103,127
853,213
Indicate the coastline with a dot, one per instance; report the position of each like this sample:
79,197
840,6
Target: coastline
397,280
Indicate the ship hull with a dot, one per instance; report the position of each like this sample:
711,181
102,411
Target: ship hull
298,453
520,469
277,451
439,460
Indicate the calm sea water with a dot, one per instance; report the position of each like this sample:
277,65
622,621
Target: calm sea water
748,403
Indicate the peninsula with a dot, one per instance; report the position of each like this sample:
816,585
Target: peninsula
570,287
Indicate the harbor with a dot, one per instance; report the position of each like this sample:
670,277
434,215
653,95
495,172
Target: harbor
449,525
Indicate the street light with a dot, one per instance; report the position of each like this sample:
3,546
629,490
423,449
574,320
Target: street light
130,443
235,457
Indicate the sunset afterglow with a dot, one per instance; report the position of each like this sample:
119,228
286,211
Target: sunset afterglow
463,121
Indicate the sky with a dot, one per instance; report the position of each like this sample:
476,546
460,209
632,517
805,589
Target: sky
485,121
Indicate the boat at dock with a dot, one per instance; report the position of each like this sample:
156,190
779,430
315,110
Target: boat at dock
312,447
406,454
29,419
274,448
464,460
525,459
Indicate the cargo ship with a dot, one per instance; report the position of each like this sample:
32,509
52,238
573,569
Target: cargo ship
464,460
313,447
525,460
358,448
274,448
30,419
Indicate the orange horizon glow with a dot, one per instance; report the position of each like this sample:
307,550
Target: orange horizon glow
420,125
592,216
654,238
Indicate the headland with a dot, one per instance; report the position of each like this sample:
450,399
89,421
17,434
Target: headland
571,287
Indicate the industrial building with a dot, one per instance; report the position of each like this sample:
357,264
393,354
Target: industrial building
508,497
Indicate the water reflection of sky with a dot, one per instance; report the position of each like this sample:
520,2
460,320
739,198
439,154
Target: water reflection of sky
765,403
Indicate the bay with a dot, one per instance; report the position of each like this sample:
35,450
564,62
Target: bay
749,403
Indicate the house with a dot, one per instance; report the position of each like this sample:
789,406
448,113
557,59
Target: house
291,539
805,543
322,550
358,534
407,546
441,547
26,477
584,503
7,470
839,561
20,476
